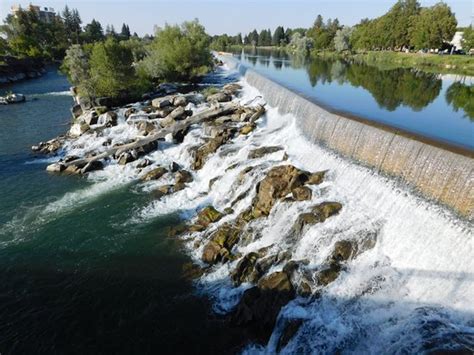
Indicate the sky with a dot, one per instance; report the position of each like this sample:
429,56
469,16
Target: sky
230,16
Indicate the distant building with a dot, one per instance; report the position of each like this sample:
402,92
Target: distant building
457,40
46,14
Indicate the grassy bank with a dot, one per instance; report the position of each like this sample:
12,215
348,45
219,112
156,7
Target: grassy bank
454,64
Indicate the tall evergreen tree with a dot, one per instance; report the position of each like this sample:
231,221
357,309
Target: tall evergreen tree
125,32
93,32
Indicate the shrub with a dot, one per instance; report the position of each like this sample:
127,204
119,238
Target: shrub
179,53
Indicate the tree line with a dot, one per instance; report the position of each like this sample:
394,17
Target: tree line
406,26
25,34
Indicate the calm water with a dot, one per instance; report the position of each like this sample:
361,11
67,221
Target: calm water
74,278
440,107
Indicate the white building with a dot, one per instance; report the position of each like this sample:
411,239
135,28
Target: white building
457,40
46,14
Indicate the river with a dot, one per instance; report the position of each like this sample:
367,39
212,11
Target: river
87,266
431,105
74,277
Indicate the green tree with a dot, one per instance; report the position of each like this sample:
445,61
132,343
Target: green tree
179,53
434,26
111,71
72,23
468,39
93,32
125,32
76,66
278,36
342,39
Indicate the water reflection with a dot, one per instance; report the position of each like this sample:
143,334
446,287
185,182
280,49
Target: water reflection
461,96
390,89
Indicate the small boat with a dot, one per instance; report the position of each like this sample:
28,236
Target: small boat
12,99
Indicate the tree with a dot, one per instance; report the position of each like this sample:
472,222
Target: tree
125,33
468,39
110,31
93,32
461,96
253,38
278,36
111,70
76,66
72,23
434,26
179,53
342,39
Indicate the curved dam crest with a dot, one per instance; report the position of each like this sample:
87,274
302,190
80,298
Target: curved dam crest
441,174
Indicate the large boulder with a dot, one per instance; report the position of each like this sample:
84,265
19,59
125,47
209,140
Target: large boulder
259,306
244,269
278,183
201,153
183,176
219,97
78,129
221,243
260,152
208,215
161,102
318,214
302,193
154,174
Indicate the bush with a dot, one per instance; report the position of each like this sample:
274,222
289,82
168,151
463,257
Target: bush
179,53
112,71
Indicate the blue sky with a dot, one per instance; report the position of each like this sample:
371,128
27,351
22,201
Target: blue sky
226,16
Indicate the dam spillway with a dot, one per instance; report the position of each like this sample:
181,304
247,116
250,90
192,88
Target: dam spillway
436,171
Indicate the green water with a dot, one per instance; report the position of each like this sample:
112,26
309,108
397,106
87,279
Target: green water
75,277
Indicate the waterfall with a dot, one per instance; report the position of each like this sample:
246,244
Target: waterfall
437,172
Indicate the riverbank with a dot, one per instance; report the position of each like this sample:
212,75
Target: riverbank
14,69
384,60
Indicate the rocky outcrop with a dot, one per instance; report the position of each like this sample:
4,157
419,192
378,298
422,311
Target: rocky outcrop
221,243
155,174
260,152
259,306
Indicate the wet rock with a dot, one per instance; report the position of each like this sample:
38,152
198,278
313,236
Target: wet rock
179,186
89,118
92,166
72,170
174,167
109,118
302,193
259,306
129,111
144,163
220,244
127,157
343,250
163,191
219,97
180,101
146,127
55,168
329,274
78,129
208,215
304,289
76,111
326,209
213,181
260,152
316,178
290,329
247,129
154,174
160,102
232,88
278,183
201,153
147,148
178,113
244,269
318,214
183,176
